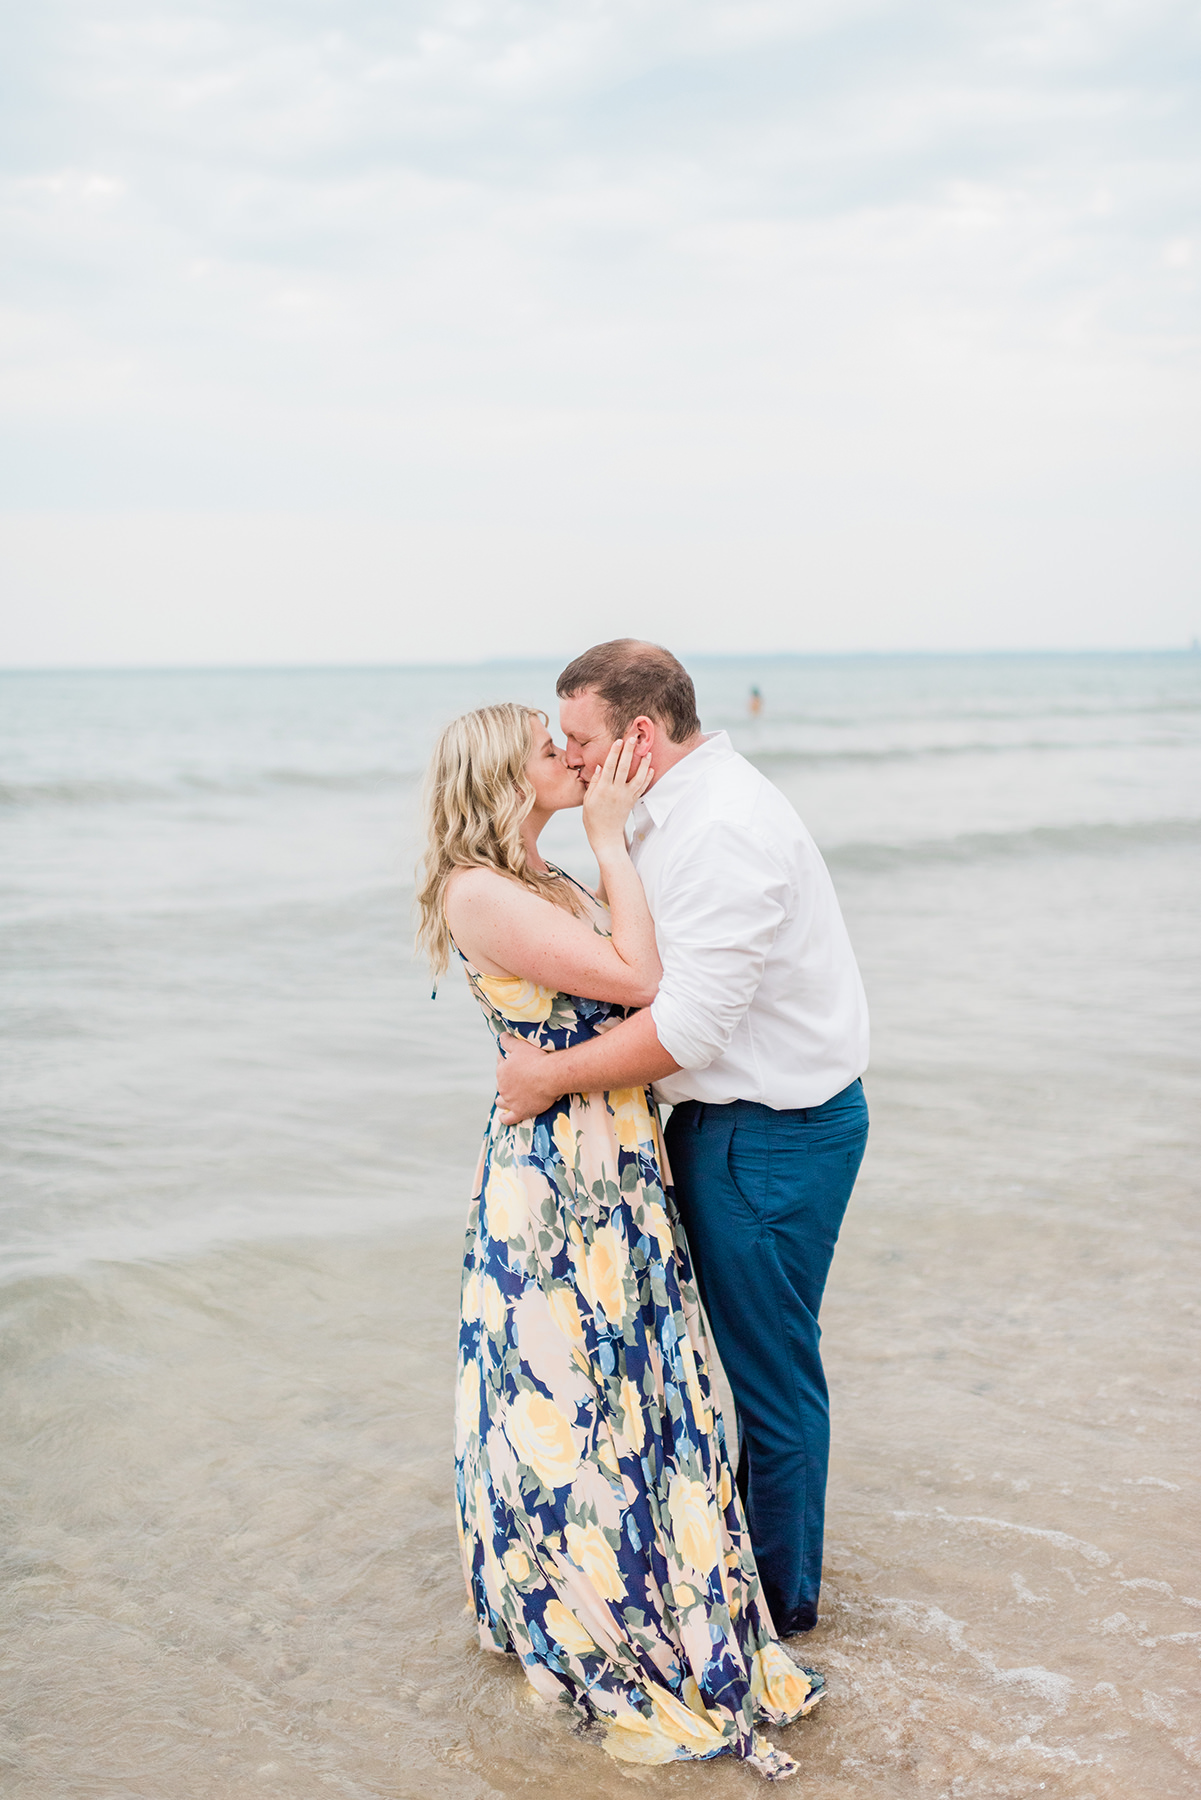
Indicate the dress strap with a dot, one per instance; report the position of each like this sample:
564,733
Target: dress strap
568,876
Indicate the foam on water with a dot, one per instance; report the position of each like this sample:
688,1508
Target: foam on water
238,1139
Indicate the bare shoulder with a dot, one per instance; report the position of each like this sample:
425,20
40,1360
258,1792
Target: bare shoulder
471,884
470,892
485,892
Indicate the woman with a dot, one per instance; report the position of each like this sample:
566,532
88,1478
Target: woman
602,1539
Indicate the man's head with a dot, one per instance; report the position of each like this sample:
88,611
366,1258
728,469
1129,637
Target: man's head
627,688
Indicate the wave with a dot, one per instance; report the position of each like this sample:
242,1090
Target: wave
76,793
777,759
1034,841
124,791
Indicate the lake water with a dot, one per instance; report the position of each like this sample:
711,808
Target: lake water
238,1139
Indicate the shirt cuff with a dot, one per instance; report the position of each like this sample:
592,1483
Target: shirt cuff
671,1029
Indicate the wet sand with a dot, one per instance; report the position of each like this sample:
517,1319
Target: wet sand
233,1566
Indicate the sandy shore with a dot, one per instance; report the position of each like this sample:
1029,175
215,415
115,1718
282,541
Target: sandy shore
235,1567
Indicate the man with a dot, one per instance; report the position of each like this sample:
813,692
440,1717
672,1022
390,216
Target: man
757,1039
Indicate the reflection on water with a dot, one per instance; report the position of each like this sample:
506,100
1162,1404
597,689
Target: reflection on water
239,1145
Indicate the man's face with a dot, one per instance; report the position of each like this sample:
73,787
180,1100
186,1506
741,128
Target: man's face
585,725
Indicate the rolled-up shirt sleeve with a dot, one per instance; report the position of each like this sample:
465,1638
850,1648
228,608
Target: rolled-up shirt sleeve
728,896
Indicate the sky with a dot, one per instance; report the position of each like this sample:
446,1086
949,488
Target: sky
433,331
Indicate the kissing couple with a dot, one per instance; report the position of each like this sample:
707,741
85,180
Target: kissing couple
607,1540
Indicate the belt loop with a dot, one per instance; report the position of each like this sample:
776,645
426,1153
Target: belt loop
699,1117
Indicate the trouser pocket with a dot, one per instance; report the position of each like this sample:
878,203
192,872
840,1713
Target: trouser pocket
748,1163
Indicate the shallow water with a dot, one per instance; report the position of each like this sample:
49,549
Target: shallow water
238,1143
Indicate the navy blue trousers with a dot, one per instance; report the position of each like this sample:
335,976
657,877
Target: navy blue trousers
762,1196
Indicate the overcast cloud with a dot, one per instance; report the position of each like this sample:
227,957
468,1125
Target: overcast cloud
441,330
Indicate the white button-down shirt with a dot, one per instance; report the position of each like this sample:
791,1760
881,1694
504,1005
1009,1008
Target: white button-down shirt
761,998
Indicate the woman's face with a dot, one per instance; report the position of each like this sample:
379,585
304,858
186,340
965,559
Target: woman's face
555,785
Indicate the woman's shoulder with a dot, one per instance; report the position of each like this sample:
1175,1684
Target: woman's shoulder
477,884
476,879
479,888
485,898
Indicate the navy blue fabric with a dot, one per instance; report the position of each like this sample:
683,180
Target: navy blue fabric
762,1196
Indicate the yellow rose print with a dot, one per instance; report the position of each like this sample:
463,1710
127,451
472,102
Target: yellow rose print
467,1404
591,1551
517,1564
692,1524
693,1699
658,1226
470,1303
507,1206
542,1439
631,1117
565,1311
674,1729
606,1456
777,1683
565,1139
606,1257
566,1629
494,1308
517,999
690,1725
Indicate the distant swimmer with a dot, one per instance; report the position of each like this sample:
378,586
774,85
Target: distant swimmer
754,703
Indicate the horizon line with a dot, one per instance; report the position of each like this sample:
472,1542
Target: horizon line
355,666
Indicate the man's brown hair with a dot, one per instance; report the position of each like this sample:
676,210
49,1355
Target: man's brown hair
629,678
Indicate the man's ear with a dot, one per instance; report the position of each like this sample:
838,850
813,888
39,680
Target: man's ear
643,731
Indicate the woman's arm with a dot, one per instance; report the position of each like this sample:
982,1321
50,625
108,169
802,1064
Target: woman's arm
528,1080
504,929
607,805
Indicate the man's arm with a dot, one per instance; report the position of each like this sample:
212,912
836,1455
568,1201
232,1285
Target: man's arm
717,920
529,1080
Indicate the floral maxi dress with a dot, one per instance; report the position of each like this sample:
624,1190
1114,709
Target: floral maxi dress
603,1542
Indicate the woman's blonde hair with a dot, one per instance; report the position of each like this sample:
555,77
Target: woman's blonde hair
477,797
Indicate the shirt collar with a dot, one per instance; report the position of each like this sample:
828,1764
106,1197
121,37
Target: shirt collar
690,772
